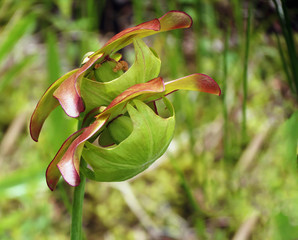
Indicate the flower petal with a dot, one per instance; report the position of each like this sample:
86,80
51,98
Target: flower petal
174,20
68,93
195,82
53,174
70,162
152,87
126,36
45,106
170,21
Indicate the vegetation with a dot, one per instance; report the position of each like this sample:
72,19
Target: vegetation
231,171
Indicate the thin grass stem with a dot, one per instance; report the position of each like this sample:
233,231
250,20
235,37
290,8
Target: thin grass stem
288,35
224,97
284,63
245,67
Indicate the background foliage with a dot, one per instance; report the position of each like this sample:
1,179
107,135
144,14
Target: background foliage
231,171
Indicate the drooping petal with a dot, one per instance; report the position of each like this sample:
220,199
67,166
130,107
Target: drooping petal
145,68
170,21
53,174
68,93
45,106
70,162
174,20
195,82
149,139
126,36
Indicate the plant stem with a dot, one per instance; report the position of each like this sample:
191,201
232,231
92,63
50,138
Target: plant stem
224,90
284,63
247,42
77,207
288,35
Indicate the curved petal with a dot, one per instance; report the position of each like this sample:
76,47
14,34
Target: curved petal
68,93
195,82
52,174
175,20
154,86
126,36
45,106
70,162
170,21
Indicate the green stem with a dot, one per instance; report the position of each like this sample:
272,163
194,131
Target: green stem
288,35
247,43
77,207
284,63
224,90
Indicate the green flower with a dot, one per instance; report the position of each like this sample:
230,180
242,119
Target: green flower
127,121
66,91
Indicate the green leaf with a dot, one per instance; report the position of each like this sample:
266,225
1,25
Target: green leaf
149,139
145,68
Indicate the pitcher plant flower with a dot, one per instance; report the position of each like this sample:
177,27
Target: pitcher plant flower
66,90
126,120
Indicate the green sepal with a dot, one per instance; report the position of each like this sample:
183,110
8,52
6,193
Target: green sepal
149,139
146,67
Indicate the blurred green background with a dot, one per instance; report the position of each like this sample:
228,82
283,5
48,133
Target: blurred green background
231,170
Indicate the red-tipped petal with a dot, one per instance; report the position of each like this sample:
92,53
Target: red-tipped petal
125,37
169,21
174,20
68,93
69,164
153,86
45,106
195,82
53,174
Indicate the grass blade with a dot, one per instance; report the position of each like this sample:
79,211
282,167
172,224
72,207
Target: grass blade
288,35
15,34
247,44
224,93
